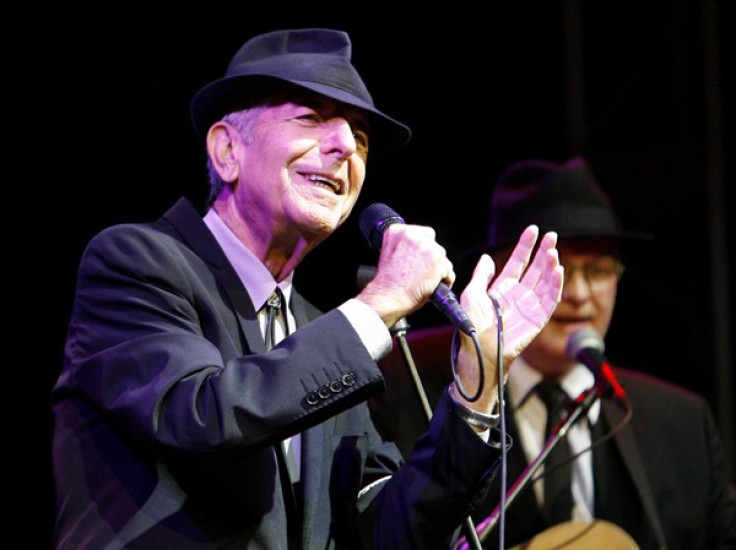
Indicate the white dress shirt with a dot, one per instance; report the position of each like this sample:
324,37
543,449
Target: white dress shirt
530,417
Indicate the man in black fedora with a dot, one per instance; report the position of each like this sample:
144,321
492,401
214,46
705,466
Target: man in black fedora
204,403
660,481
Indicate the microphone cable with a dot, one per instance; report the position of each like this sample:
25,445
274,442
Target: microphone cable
462,543
502,423
628,413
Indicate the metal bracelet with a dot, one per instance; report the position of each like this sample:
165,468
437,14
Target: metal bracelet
475,418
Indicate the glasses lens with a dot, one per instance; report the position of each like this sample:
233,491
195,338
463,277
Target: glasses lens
598,275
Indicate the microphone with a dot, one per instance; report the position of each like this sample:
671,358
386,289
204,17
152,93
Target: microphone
587,346
373,223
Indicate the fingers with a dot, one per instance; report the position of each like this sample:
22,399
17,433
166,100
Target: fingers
553,280
410,266
483,274
546,272
528,291
517,262
544,260
474,297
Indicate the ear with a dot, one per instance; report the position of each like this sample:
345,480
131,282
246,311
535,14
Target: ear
223,142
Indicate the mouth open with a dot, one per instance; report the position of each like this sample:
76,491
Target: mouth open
326,182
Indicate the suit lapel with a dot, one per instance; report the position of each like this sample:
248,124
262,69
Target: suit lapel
627,446
249,326
192,229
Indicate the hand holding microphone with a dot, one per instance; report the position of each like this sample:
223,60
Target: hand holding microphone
374,221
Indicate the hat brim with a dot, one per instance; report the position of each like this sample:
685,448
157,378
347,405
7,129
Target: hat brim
228,94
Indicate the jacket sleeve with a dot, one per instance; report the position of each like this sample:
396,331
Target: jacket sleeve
721,513
156,344
442,482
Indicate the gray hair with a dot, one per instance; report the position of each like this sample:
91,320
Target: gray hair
244,123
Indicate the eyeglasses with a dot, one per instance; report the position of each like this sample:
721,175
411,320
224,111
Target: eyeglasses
598,275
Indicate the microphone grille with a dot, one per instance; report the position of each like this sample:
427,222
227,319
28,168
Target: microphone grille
584,339
373,221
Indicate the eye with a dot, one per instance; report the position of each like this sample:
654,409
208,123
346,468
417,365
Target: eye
595,272
602,272
361,139
310,116
361,132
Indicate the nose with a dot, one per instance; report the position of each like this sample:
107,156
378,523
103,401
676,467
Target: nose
338,139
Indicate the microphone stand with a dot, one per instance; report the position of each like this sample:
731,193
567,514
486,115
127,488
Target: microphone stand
582,404
399,331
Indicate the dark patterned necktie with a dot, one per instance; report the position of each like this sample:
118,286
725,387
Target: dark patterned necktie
273,308
558,501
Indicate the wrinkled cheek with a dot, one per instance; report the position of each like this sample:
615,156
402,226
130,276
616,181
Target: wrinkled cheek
605,314
357,179
603,322
350,202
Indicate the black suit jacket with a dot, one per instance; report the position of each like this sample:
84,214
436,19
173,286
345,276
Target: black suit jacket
168,415
665,468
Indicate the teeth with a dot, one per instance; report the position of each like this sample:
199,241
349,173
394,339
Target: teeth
323,181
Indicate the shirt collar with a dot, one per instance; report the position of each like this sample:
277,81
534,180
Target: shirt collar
523,378
257,280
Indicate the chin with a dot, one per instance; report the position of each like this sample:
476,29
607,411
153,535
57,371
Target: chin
320,222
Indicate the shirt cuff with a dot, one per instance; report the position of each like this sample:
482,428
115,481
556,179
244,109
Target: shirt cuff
369,326
473,417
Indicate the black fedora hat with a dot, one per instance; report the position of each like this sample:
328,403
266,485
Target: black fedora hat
316,59
565,198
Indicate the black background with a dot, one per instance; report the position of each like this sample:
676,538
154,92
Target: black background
111,142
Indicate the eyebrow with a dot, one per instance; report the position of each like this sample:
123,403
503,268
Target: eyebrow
355,116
